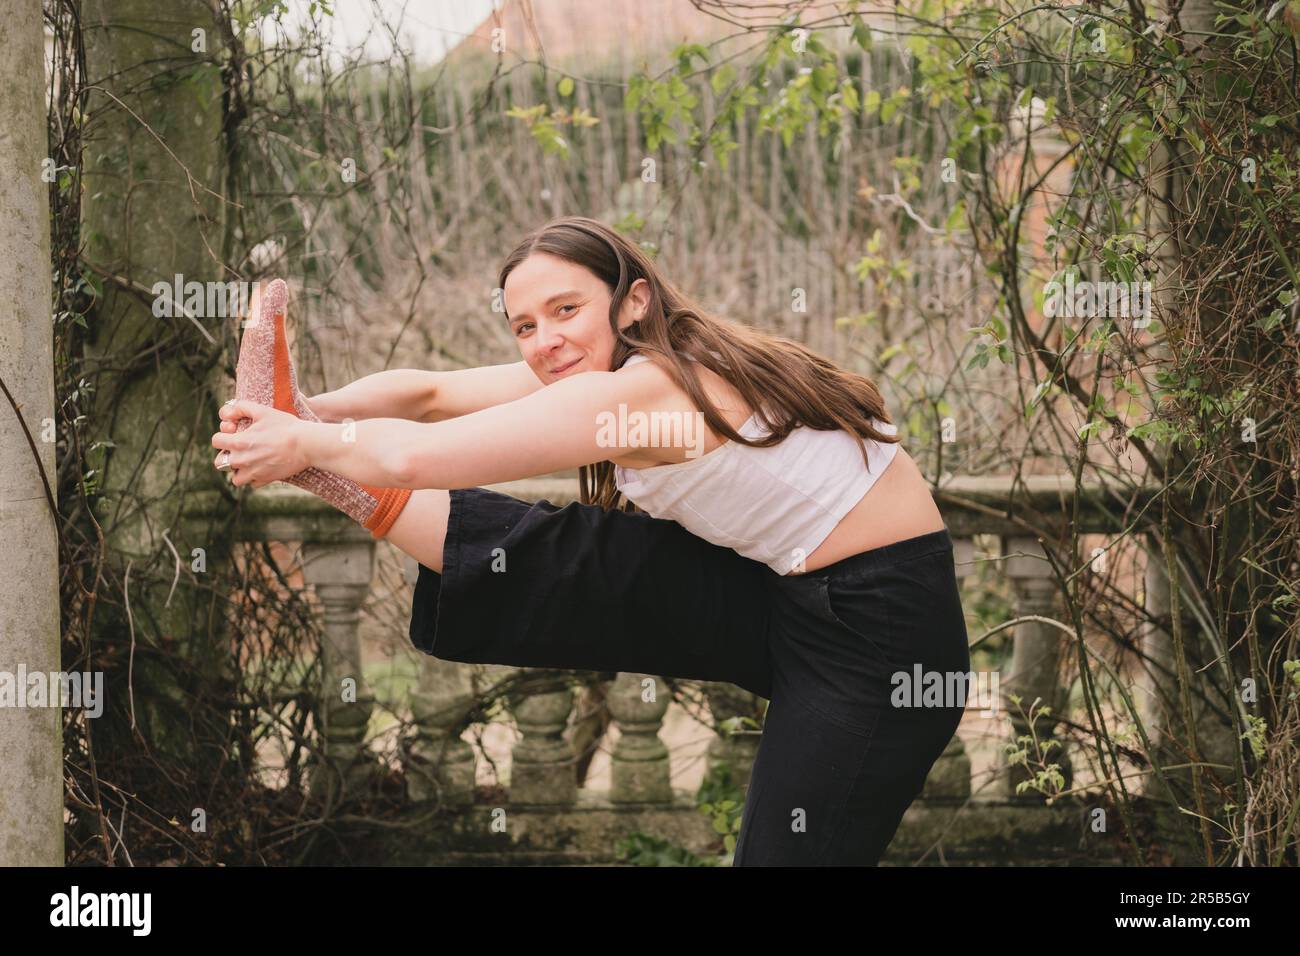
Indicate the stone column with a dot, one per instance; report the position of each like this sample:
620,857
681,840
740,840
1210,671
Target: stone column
31,738
1036,657
639,765
442,766
734,750
542,760
1157,692
341,574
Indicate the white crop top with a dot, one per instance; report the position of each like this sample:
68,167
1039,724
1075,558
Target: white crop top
773,505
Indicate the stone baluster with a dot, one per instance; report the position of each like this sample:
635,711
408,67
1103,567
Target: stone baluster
341,573
542,760
639,766
442,766
1157,685
950,777
1157,691
738,749
1036,658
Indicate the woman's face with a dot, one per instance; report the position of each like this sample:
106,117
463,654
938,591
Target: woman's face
559,316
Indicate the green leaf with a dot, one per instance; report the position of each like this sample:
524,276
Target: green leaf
862,35
686,52
635,90
957,218
722,78
849,93
565,86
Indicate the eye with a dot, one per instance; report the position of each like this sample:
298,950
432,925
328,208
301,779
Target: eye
563,307
519,329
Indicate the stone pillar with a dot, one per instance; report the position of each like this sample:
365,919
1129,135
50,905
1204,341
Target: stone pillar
639,766
542,761
949,778
341,574
442,766
31,738
1036,657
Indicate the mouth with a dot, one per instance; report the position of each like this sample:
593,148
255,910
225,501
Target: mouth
565,368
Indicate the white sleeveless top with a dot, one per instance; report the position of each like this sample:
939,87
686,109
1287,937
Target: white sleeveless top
773,505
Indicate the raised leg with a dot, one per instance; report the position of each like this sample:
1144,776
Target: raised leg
421,527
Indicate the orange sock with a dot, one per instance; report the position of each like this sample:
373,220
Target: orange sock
265,375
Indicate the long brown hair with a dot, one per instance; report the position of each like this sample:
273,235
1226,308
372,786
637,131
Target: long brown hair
783,382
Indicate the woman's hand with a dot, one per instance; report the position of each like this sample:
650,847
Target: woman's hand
266,451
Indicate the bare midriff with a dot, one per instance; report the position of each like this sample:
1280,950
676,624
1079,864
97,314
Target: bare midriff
896,507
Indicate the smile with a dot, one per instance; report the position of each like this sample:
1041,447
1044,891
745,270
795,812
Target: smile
563,368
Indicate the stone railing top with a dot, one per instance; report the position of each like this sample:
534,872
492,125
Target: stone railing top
1039,504
983,504
278,512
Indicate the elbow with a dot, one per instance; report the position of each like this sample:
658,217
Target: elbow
429,411
401,467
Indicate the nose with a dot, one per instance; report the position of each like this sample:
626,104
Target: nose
549,338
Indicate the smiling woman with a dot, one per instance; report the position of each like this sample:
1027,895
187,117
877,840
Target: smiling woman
762,559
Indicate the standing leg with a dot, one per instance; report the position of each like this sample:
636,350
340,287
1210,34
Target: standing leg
840,759
824,795
800,788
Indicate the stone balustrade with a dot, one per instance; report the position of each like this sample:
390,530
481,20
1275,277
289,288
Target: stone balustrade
547,817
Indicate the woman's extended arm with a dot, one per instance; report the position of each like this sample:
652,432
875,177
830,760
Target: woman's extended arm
563,425
394,393
426,396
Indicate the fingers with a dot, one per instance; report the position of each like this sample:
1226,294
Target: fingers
229,441
237,476
235,409
231,413
232,464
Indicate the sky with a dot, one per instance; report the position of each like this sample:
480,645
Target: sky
427,29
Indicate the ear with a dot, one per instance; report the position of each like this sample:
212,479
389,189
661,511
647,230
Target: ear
636,302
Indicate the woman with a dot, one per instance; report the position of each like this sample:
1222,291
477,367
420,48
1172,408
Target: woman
762,560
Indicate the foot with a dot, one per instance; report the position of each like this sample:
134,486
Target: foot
265,375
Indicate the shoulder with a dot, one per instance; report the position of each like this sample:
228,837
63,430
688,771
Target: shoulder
639,358
652,370
648,372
